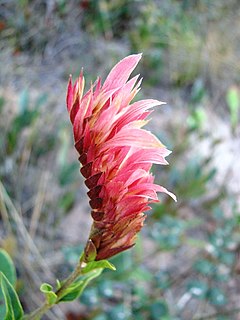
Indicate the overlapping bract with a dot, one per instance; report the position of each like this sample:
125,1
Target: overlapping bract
116,155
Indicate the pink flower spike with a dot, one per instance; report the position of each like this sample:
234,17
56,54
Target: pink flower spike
116,154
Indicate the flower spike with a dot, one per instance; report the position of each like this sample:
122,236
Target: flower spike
116,156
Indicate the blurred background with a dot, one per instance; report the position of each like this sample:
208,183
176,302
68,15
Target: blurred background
186,263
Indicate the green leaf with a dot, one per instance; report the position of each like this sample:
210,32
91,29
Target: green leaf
75,290
14,309
90,252
103,264
8,269
58,282
50,295
7,266
2,311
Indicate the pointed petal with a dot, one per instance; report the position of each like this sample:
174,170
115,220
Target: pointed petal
133,137
121,72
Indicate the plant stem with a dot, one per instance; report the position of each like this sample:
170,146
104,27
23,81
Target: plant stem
39,312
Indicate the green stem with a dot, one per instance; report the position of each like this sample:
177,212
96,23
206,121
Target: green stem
39,312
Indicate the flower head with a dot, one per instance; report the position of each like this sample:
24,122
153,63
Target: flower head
116,155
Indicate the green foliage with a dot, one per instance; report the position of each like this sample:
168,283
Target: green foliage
102,264
14,309
108,18
76,283
8,269
75,290
91,271
25,118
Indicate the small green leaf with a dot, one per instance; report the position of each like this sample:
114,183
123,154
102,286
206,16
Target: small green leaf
75,290
103,264
58,282
90,251
14,309
50,295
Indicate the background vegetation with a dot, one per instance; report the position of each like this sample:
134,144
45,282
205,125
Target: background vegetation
186,263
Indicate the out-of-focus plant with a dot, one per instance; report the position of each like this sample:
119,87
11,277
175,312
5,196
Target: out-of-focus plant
166,30
109,18
233,103
24,119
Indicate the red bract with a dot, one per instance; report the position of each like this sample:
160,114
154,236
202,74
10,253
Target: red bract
116,155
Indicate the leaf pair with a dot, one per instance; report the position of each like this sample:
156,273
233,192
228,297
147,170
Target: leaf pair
92,270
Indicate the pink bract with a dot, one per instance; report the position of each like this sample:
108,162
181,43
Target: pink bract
116,155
